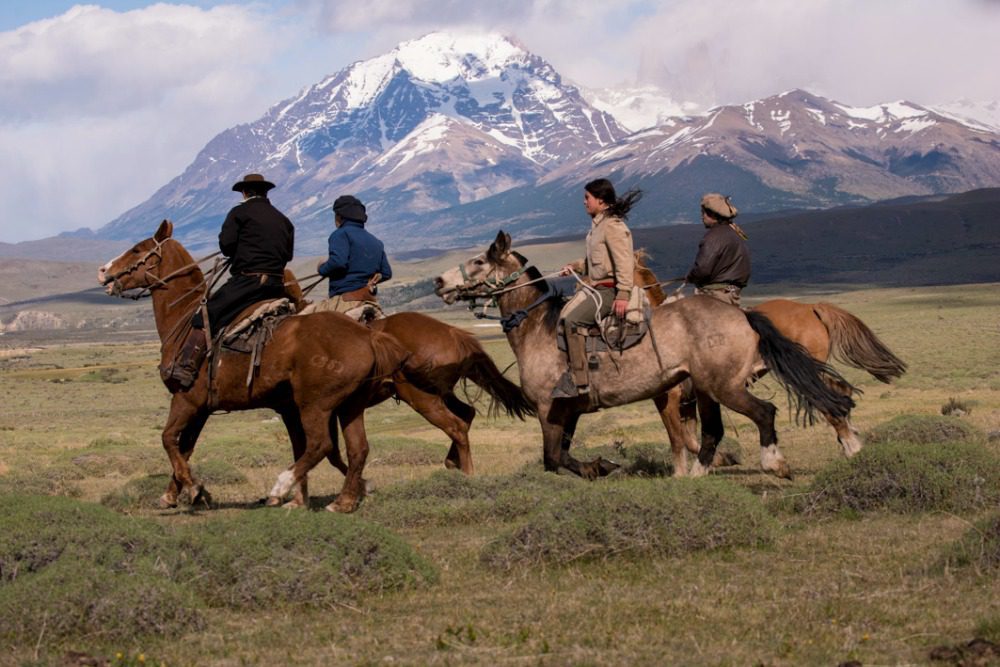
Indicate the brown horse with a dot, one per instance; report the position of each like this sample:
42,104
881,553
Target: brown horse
316,369
738,346
824,330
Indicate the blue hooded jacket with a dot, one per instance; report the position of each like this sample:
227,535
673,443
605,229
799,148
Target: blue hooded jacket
355,256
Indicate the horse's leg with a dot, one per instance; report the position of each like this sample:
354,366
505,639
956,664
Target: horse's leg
762,413
297,435
352,422
460,448
184,425
558,426
847,435
681,438
315,422
712,430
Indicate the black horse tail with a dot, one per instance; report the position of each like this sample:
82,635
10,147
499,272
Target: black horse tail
810,383
479,368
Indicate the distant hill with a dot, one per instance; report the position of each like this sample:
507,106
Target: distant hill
919,241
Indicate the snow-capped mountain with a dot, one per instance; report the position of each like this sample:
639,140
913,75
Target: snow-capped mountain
639,107
789,151
972,112
437,121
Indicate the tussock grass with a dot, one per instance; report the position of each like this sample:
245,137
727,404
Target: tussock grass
449,497
907,477
113,455
244,453
266,557
978,549
635,518
922,430
137,494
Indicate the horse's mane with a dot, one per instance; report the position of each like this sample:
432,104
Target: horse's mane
553,305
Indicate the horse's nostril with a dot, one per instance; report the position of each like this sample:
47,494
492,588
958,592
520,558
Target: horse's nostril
438,283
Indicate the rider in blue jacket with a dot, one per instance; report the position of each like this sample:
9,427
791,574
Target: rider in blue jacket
357,259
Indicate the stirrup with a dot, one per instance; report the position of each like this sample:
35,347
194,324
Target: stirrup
567,387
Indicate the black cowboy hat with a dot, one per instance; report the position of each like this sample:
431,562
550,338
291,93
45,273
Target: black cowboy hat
254,180
350,208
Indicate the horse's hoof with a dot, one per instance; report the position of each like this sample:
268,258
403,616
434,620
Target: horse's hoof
605,467
202,497
725,459
167,501
345,506
293,504
273,501
698,470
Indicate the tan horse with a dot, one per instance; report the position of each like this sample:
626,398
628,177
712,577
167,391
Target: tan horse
716,345
316,369
824,330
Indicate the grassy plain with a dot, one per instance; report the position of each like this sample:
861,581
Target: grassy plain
83,420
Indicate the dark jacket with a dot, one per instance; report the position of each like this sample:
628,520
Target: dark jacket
355,256
723,257
257,237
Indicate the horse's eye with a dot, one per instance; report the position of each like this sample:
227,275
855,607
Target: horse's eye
478,262
135,250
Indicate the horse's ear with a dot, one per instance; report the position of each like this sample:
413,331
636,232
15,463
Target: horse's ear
499,248
165,231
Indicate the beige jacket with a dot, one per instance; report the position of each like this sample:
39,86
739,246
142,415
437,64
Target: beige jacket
609,254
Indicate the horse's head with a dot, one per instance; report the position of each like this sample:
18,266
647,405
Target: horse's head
482,275
132,269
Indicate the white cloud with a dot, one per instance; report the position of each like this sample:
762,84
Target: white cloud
100,108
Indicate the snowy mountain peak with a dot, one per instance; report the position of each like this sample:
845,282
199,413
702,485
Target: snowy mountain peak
440,57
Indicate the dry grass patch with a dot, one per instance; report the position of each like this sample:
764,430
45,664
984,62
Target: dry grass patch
136,494
635,518
978,549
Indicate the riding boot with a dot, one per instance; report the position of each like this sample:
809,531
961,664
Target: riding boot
574,381
184,371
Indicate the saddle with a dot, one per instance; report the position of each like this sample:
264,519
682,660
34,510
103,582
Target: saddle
248,335
613,334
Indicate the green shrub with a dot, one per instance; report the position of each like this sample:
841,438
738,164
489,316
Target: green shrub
137,494
263,557
449,497
922,430
979,548
906,477
635,518
78,569
71,598
40,530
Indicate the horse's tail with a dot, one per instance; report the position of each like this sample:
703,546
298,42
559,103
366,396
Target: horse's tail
479,368
810,383
389,354
854,344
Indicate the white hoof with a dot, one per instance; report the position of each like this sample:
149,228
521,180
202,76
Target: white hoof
773,461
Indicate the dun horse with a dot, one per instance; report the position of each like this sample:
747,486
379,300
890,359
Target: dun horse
317,368
718,346
824,330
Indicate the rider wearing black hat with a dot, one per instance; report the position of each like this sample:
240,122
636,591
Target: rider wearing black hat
258,239
357,259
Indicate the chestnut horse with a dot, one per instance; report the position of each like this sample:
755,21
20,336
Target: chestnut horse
315,369
719,362
824,330
440,356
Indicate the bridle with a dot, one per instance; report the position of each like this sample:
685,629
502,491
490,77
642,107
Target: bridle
157,281
495,287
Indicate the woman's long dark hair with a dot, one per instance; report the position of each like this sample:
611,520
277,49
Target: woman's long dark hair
603,190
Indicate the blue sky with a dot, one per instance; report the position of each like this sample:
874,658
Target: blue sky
103,104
